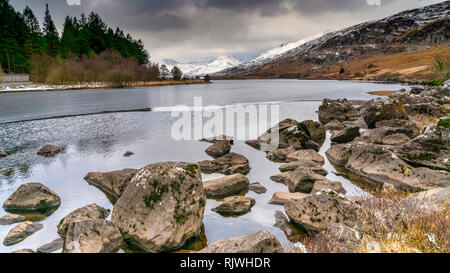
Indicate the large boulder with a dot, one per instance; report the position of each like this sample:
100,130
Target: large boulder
10,219
32,197
300,180
345,135
421,105
430,149
92,236
280,155
21,231
334,125
376,164
439,196
403,126
395,140
382,109
219,148
306,155
340,110
338,154
257,243
318,211
226,186
49,150
312,165
228,164
299,135
89,212
235,205
113,183
281,198
163,206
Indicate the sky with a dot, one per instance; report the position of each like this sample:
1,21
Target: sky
192,30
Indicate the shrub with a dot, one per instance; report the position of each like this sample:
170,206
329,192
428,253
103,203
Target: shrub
342,70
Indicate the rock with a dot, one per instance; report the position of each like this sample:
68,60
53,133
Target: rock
227,164
375,164
280,154
226,186
6,171
328,186
218,138
430,149
423,104
21,231
426,202
113,183
23,251
257,187
51,247
259,242
345,135
235,205
343,238
334,125
163,206
128,154
49,150
10,219
382,109
340,110
291,232
300,180
339,154
92,236
395,139
438,196
3,154
219,148
290,132
32,197
313,166
318,211
406,127
281,198
89,212
306,155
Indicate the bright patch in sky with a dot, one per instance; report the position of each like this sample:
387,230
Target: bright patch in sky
73,2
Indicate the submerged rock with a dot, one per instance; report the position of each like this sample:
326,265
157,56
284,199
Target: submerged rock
339,110
430,149
281,198
113,183
92,236
259,242
228,164
89,212
306,155
235,205
382,109
318,211
312,165
219,148
52,246
345,135
163,206
226,186
10,219
49,150
32,197
20,232
257,187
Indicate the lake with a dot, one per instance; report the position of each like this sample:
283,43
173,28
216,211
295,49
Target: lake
98,142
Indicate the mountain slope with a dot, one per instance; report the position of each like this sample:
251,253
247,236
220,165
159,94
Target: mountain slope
201,68
411,30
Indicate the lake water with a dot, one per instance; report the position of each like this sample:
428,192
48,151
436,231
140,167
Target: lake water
98,142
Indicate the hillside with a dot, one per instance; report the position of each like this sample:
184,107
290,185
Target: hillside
201,68
413,39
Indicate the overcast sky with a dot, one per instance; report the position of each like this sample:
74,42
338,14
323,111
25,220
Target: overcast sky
195,29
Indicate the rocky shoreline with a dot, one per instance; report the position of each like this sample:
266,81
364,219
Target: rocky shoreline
396,144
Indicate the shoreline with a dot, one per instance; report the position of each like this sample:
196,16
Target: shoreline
68,87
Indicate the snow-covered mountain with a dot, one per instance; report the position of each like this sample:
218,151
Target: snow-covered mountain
201,68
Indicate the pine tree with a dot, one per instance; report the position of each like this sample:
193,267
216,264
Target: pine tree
50,34
177,73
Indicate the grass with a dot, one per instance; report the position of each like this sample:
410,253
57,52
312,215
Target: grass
395,227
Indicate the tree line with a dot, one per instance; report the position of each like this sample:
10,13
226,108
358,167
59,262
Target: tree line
87,50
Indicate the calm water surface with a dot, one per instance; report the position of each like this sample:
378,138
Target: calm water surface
97,142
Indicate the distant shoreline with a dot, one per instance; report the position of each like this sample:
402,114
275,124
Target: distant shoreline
66,87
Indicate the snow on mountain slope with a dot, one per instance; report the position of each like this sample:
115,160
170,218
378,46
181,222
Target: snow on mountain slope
201,68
